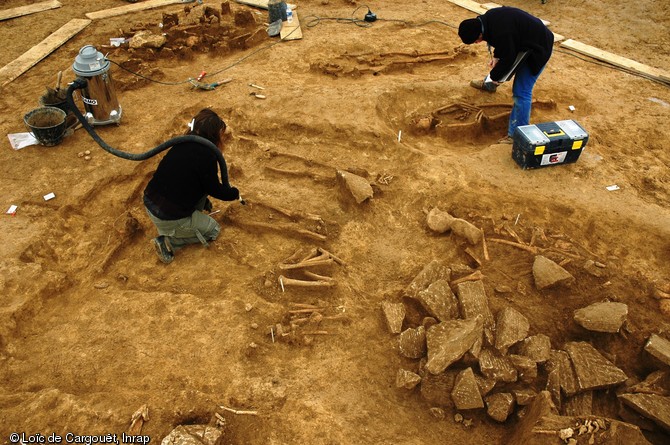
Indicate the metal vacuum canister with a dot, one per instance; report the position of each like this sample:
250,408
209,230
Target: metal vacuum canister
100,102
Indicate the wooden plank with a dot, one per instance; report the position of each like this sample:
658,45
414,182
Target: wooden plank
134,7
481,9
29,9
291,31
38,52
263,4
615,60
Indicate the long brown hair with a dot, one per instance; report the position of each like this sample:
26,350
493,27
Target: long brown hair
209,125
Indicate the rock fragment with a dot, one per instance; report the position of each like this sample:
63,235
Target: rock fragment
651,406
439,221
412,342
579,405
467,230
511,327
358,186
474,303
449,341
567,378
525,366
431,272
439,300
407,379
659,348
496,366
499,406
602,317
548,274
466,393
537,347
394,313
593,370
193,435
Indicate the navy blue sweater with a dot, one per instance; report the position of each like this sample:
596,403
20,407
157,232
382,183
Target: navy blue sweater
510,31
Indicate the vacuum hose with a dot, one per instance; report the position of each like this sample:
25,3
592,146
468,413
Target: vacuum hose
80,83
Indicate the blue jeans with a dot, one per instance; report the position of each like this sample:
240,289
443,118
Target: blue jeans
522,92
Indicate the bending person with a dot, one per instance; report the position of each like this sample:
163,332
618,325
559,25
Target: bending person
177,195
522,47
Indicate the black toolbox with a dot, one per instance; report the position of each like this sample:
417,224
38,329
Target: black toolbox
550,143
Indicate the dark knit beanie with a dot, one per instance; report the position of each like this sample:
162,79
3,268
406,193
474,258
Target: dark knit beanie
469,30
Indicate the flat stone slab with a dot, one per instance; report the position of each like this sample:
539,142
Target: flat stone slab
658,347
549,274
526,367
394,314
593,370
567,378
602,317
412,342
651,406
449,340
537,347
430,273
436,389
439,300
475,303
511,327
358,186
466,393
579,405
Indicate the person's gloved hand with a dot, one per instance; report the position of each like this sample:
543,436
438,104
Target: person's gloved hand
235,193
208,205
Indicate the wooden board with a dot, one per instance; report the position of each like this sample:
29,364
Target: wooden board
38,52
615,60
263,4
481,9
291,31
29,9
134,7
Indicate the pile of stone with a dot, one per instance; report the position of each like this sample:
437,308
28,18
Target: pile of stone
468,358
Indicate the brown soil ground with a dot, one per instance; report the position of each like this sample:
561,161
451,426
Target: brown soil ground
93,326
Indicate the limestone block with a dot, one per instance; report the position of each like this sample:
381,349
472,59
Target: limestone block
358,186
449,341
548,274
394,313
526,367
466,393
439,221
193,435
593,370
602,317
475,303
567,378
536,347
651,406
658,347
511,327
407,379
439,300
431,272
496,366
436,389
412,342
499,406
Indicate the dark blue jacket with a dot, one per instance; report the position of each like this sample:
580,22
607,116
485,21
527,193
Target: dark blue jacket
511,31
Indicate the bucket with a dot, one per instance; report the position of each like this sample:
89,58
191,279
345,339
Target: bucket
47,125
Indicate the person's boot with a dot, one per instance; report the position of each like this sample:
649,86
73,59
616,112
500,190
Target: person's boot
484,86
163,249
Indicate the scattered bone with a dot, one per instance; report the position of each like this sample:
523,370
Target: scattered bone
602,317
394,313
511,328
283,228
284,282
137,420
448,341
407,379
499,406
358,186
412,342
466,393
549,274
530,249
237,411
593,370
475,276
659,348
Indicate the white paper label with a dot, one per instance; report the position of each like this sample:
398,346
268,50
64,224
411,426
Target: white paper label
12,209
553,158
49,196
